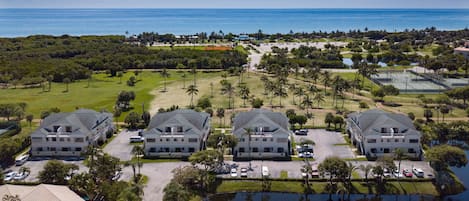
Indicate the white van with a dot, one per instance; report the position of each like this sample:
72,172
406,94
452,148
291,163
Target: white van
265,171
21,160
136,139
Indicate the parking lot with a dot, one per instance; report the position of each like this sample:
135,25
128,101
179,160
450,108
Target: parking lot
36,166
327,143
120,146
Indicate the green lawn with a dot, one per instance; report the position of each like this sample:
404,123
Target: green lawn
229,186
283,174
176,47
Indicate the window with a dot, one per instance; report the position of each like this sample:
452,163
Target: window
257,138
255,149
383,130
271,139
371,140
413,141
65,149
395,130
166,149
192,139
161,140
68,129
280,150
167,129
266,129
151,140
267,149
175,139
388,140
411,150
52,149
396,140
55,128
282,140
61,139
39,149
386,150
191,149
373,150
167,139
79,139
54,139
78,149
153,149
182,140
179,129
264,139
177,149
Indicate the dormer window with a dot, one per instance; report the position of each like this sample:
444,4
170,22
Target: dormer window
179,129
68,129
395,130
55,128
167,130
384,130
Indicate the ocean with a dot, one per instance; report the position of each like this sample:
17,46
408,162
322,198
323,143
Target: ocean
24,22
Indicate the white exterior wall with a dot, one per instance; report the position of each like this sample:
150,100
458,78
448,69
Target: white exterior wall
257,141
165,145
43,145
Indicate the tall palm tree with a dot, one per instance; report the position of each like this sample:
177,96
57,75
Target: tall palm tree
229,90
318,98
220,114
192,90
292,87
280,92
138,151
194,72
366,169
307,103
249,133
326,78
298,92
244,93
399,155
165,75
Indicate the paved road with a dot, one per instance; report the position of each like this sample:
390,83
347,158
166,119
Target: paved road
326,144
120,146
37,166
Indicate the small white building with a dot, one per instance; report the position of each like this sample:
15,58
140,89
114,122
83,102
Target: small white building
377,133
176,134
261,134
69,134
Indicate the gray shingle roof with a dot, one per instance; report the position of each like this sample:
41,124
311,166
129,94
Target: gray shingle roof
375,118
187,117
82,120
244,118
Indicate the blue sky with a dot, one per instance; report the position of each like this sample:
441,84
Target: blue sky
234,3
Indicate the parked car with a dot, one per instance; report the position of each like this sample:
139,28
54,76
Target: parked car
9,176
305,155
21,176
407,173
136,139
234,172
21,160
418,172
265,171
301,132
244,172
117,175
387,173
398,174
314,171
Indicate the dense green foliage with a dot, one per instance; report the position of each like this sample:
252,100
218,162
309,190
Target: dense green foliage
36,59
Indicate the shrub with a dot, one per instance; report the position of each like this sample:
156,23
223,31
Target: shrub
257,103
204,103
363,105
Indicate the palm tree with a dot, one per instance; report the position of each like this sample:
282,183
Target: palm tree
120,75
194,72
292,87
244,93
165,75
318,98
138,151
298,92
183,80
399,155
280,91
220,114
366,169
326,78
192,90
249,133
29,119
307,103
229,90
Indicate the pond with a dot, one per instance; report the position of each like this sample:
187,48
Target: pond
462,173
349,62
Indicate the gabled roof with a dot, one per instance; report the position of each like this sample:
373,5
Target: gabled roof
255,117
82,120
189,119
376,119
42,192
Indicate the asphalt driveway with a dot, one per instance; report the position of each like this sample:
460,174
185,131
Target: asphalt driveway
327,143
120,146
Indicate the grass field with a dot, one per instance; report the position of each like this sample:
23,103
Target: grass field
426,188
